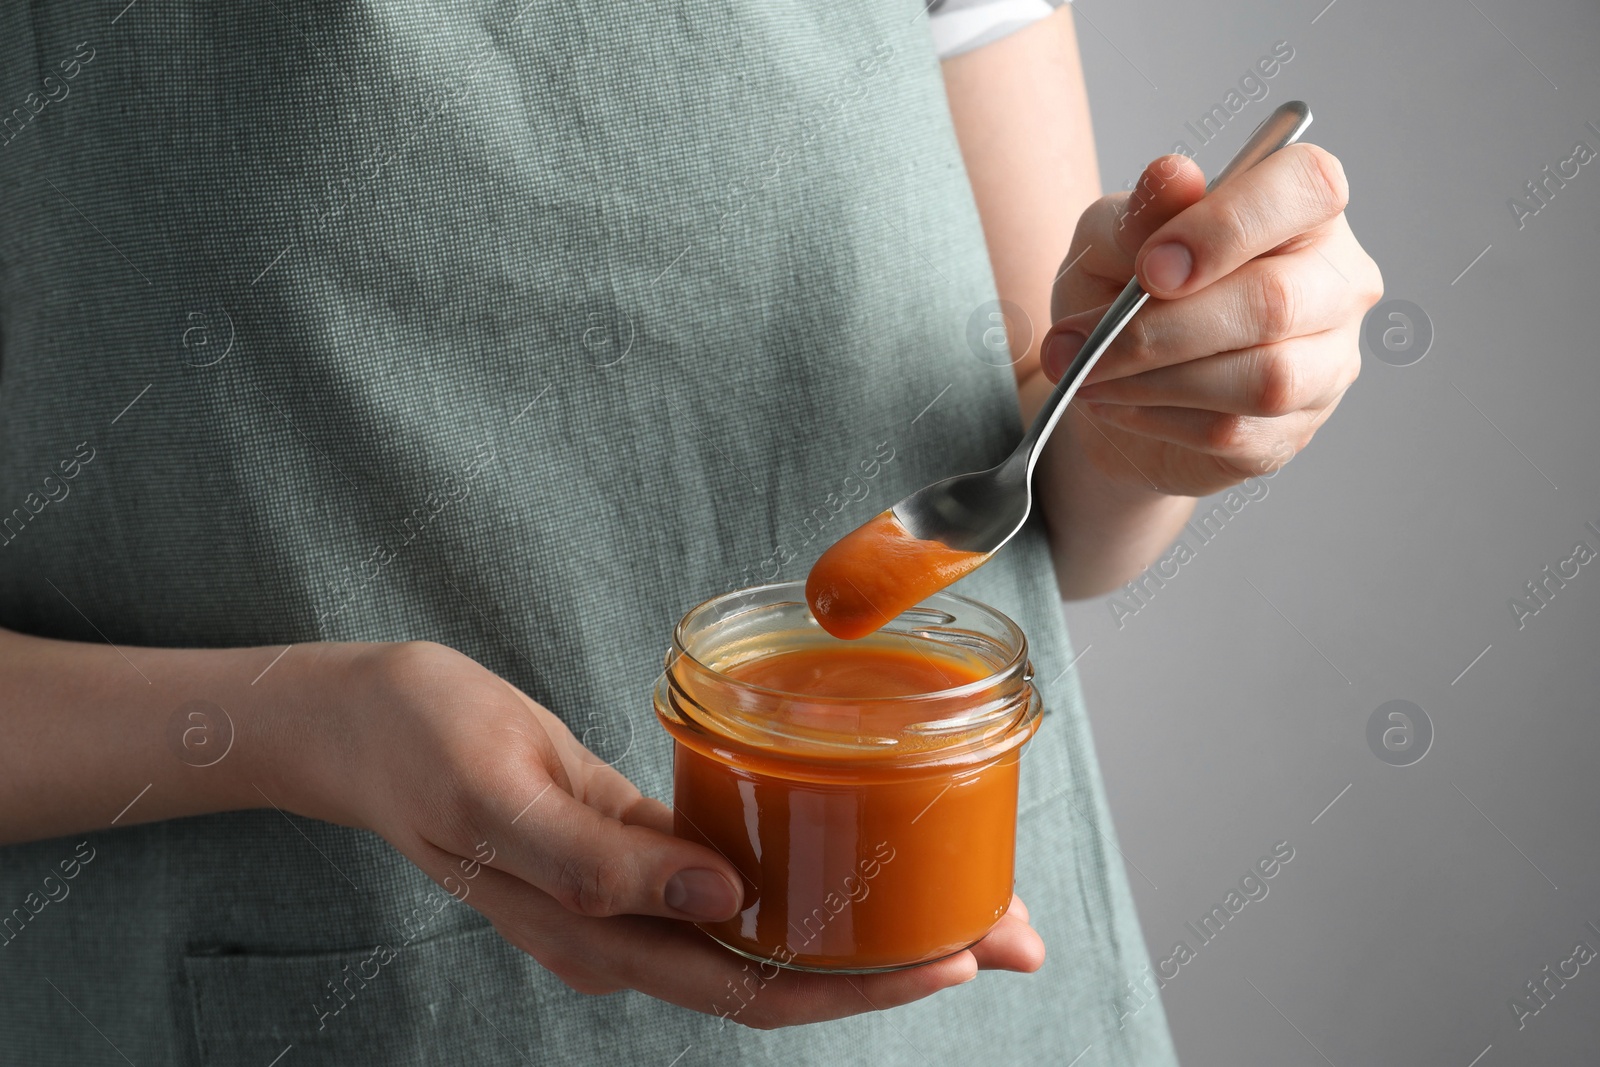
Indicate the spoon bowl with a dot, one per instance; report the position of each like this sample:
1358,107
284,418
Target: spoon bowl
974,512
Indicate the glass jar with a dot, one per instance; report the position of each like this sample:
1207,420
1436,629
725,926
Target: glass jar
874,828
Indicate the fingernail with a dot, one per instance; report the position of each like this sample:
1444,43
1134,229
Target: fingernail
701,894
1168,266
1058,353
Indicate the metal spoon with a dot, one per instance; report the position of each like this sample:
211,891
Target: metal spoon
980,512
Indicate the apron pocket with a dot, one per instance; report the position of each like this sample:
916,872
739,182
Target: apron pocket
457,998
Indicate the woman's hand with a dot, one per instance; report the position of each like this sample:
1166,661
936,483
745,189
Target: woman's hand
1250,338
493,797
483,789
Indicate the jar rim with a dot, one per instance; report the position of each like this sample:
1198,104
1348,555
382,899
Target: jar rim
731,719
1017,640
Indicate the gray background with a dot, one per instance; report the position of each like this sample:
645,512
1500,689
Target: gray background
1422,900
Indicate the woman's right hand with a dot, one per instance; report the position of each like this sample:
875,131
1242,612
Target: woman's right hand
493,797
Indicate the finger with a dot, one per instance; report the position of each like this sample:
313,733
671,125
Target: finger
574,766
1236,438
677,963
1290,193
586,839
598,865
1012,945
648,811
606,789
1266,382
1018,908
1264,302
708,978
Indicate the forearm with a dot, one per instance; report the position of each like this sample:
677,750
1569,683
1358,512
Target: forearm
1021,114
92,735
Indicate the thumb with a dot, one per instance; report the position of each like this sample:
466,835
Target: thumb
599,866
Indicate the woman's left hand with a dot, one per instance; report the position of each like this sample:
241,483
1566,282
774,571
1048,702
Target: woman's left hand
1250,338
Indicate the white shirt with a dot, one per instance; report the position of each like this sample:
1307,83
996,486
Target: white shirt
962,25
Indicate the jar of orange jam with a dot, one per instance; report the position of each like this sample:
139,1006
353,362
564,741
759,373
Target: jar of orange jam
865,790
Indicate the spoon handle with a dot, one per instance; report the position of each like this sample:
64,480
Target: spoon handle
1278,130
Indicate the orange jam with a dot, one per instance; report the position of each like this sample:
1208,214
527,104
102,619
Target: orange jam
866,791
875,572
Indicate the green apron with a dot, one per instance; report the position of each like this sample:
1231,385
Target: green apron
517,327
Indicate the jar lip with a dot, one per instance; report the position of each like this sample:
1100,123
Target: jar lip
1016,639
